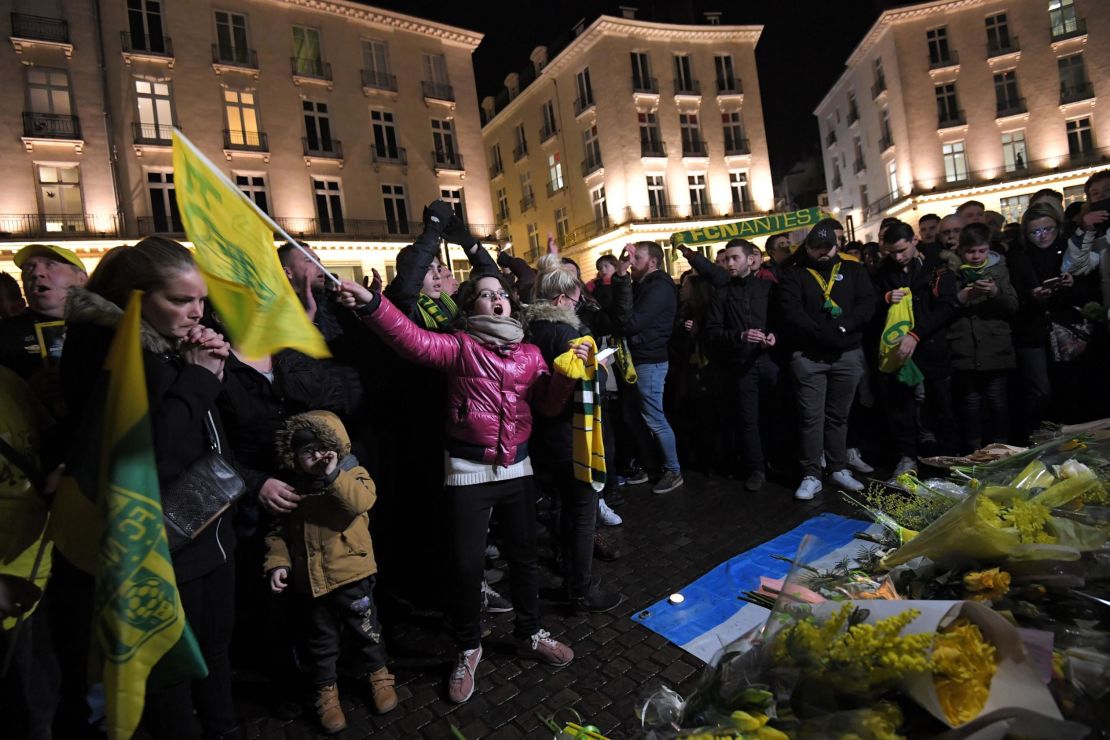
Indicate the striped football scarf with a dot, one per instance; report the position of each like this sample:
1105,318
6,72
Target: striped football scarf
433,316
624,361
588,440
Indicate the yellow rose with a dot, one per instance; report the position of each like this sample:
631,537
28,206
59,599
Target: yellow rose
988,580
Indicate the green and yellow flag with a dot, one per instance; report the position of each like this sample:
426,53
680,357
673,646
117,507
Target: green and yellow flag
773,223
138,624
235,251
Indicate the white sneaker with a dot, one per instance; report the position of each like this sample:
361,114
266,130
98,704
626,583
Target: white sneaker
905,465
844,479
856,463
607,516
809,488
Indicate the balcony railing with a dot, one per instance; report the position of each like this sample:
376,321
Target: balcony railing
1009,107
1003,46
878,88
445,160
234,57
149,225
581,106
496,170
949,59
555,187
885,142
503,214
853,115
51,126
520,151
386,155
591,165
948,119
40,28
646,85
693,148
247,141
317,68
1069,28
735,145
830,138
649,148
729,87
152,134
858,166
323,148
1072,93
438,91
57,226
379,80
837,183
687,87
157,46
546,132
528,201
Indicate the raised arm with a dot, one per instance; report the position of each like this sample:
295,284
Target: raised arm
418,346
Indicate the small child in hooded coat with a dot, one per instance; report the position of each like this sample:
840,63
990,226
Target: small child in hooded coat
321,551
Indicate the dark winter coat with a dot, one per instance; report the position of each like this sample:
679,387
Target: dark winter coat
654,302
806,326
1029,267
741,304
551,328
180,397
979,338
19,345
933,287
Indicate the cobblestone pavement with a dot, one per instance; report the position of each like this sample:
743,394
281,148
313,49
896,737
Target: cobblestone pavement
666,541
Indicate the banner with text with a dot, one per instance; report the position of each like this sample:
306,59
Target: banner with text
773,223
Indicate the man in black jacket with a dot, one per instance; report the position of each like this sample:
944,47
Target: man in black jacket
653,309
825,303
737,324
908,271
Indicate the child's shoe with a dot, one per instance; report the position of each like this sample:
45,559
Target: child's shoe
329,711
381,685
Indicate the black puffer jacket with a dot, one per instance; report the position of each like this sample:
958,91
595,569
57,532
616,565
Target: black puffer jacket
551,328
739,305
933,287
806,326
180,397
654,302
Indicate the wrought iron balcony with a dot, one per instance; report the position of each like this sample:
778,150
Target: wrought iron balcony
1072,93
878,88
1003,46
155,46
555,187
388,155
858,166
520,151
51,126
496,170
234,57
729,87
322,148
948,119
379,80
735,145
949,59
652,148
581,106
40,28
58,225
590,165
447,160
687,87
830,138
853,115
546,132
1009,107
885,142
528,201
316,68
646,85
438,91
152,134
1069,28
694,148
247,141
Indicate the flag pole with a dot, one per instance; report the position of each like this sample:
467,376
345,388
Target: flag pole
258,211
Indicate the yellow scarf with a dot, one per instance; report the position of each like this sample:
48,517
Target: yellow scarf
826,288
588,440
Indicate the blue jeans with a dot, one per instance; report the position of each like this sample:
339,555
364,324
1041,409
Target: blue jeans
651,379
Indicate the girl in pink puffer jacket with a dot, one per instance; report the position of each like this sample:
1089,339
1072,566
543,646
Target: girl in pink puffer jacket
493,376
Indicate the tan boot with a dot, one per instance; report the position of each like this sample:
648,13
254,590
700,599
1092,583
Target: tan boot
381,684
329,711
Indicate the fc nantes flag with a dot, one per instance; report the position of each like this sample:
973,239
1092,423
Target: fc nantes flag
235,251
137,619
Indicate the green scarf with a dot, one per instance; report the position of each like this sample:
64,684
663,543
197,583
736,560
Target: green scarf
433,316
826,289
970,273
588,440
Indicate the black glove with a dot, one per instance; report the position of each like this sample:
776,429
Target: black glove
457,233
438,217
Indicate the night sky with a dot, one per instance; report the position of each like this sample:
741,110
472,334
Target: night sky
800,54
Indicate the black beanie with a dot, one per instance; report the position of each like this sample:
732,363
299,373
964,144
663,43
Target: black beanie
303,438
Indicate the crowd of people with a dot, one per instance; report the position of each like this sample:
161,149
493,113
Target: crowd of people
508,415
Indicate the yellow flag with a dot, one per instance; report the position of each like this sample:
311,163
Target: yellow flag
235,251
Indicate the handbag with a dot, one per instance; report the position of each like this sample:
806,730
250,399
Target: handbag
1068,338
201,493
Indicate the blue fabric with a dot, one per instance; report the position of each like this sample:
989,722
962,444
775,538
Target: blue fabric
712,599
650,380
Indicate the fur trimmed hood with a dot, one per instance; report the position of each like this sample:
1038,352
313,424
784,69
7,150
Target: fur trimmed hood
85,307
548,311
324,424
